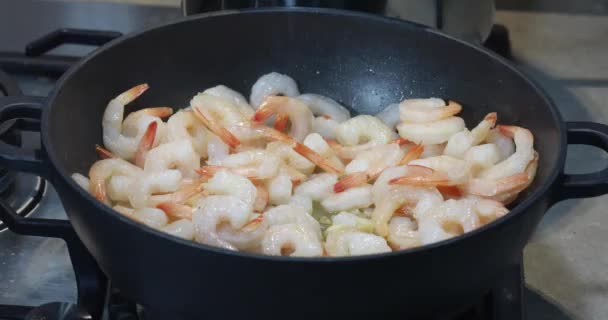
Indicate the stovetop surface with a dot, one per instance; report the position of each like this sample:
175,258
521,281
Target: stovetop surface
34,271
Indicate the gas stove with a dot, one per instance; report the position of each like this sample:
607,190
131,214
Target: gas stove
45,272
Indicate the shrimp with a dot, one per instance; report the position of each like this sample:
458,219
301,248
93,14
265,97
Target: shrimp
146,143
317,187
421,199
482,156
353,198
389,115
325,106
462,141
403,233
119,187
185,126
181,228
81,180
279,189
227,183
248,237
444,171
290,157
103,170
432,150
104,153
375,159
234,97
152,217
518,161
219,110
261,199
217,150
137,122
505,145
351,242
361,133
435,132
226,136
301,201
427,110
326,127
315,142
113,138
272,84
291,240
299,114
177,154
147,183
216,210
175,210
258,164
293,214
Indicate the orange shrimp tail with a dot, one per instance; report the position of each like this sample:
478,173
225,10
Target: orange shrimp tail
146,143
453,108
508,131
281,122
261,200
492,117
450,192
350,181
103,152
413,154
226,136
401,141
161,112
404,211
316,158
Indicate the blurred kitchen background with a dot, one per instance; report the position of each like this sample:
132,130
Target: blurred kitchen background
563,44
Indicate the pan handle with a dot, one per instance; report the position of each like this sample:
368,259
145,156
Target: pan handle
589,184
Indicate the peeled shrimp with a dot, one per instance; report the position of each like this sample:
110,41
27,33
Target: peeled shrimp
216,210
376,159
291,240
103,170
124,144
361,133
217,150
389,115
185,126
435,132
403,233
148,183
427,110
353,198
81,180
279,189
318,186
298,113
518,161
324,106
182,228
325,126
293,214
272,84
259,164
226,183
151,217
351,242
505,145
316,143
291,158
462,141
177,154
234,97
483,156
218,109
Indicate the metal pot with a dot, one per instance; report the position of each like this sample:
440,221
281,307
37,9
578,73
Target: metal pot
322,49
469,20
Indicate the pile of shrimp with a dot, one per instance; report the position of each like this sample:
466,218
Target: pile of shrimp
295,175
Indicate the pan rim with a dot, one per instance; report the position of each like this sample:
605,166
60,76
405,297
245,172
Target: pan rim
521,207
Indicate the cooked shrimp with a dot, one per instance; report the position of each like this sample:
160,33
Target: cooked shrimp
505,145
138,121
462,141
375,159
177,154
248,237
435,132
315,142
301,201
403,233
445,171
279,189
217,150
181,228
293,214
258,164
272,84
325,107
185,126
427,110
518,161
290,240
291,158
326,127
360,133
118,188
353,198
261,199
299,114
118,143
148,183
216,210
104,153
152,217
389,115
146,143
226,183
234,97
432,150
318,186
81,180
483,156
176,210
103,170
221,132
350,242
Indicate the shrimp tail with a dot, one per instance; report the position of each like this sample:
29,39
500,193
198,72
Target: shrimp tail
146,143
350,181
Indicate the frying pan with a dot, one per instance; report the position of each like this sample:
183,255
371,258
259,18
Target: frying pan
363,61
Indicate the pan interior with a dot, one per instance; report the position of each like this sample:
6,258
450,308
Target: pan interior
364,63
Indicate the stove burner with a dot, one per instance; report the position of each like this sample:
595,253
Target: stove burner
23,192
8,87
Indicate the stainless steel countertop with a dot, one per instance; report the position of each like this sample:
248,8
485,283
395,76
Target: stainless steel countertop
566,260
